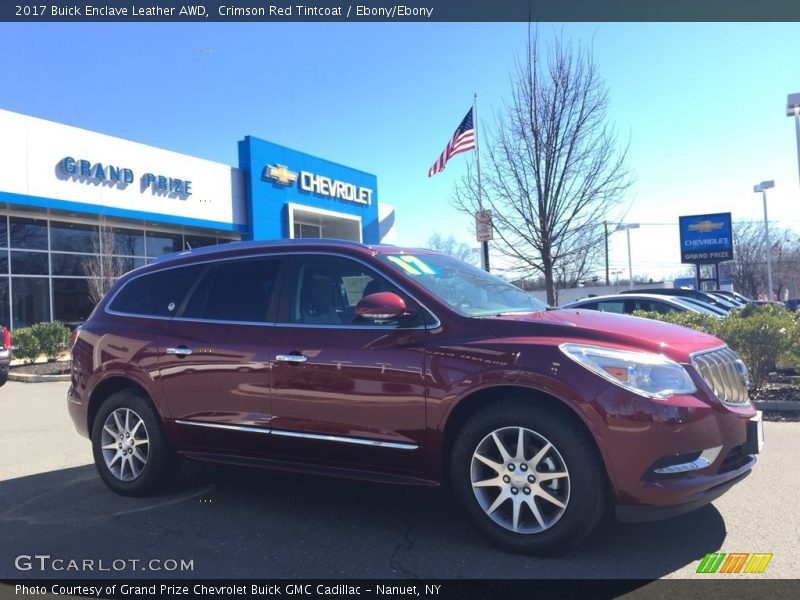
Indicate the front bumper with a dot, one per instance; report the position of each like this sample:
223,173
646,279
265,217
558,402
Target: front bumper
640,513
657,452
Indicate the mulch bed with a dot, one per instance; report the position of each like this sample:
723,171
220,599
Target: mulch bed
53,368
781,386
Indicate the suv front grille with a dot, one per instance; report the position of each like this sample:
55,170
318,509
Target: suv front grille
721,372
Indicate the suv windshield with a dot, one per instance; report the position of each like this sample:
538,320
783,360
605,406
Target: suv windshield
468,290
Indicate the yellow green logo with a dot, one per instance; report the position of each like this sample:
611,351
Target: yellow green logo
734,562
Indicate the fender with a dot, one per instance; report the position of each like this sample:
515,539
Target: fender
576,399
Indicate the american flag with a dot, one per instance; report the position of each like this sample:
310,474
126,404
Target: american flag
463,140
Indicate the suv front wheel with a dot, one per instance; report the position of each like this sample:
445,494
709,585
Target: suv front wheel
131,452
528,477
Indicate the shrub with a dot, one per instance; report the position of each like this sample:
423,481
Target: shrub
26,345
761,336
53,338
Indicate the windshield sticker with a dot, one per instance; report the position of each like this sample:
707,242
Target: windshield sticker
408,268
419,264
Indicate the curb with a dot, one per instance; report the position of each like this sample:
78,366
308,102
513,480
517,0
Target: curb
26,378
778,405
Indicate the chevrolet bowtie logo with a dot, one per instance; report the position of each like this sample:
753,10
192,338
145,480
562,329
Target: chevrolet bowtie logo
280,174
705,226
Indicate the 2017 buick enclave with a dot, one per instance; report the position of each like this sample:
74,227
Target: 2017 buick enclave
408,366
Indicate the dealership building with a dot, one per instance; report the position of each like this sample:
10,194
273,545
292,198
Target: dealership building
66,193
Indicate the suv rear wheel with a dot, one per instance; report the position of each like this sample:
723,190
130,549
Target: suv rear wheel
528,477
131,452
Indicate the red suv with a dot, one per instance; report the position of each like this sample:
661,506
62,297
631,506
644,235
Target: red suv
411,367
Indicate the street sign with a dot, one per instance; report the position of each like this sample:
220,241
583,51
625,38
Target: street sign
483,225
706,239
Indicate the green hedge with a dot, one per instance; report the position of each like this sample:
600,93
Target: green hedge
50,339
26,345
762,335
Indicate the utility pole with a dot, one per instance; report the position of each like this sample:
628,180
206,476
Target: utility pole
605,226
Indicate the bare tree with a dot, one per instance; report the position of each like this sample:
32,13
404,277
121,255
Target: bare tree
453,247
785,262
748,269
553,170
103,268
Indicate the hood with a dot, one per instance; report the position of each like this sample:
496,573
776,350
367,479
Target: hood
591,326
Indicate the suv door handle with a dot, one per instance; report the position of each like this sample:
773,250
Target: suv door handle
179,351
291,358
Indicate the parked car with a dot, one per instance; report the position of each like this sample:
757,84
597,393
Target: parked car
626,304
734,296
733,301
5,354
685,292
411,367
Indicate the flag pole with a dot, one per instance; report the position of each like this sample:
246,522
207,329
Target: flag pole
484,244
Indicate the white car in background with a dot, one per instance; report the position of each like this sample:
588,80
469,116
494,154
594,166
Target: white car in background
627,303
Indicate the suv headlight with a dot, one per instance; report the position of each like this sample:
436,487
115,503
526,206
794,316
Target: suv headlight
651,375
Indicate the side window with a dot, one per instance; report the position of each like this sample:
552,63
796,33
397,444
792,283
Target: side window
152,294
588,306
663,308
327,289
237,290
639,305
612,306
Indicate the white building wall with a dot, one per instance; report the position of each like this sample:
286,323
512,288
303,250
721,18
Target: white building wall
32,151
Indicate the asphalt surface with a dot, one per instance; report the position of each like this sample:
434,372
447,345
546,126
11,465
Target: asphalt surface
238,523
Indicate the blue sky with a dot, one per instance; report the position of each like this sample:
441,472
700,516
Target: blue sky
702,104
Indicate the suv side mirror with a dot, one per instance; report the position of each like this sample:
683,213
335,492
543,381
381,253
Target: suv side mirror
382,306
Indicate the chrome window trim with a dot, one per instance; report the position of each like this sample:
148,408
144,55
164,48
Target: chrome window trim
435,325
308,436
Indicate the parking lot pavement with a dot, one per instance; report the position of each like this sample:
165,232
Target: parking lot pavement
240,523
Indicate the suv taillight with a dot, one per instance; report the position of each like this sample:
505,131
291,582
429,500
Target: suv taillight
6,338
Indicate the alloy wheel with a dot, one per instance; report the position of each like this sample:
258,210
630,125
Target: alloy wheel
520,480
125,444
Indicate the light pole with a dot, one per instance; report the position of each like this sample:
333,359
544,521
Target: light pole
627,227
763,187
793,110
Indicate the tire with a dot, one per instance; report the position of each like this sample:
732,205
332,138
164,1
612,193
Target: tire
570,505
3,376
147,462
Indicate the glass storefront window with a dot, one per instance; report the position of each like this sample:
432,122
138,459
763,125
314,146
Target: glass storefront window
71,302
71,264
197,241
128,263
159,244
72,237
4,308
30,300
28,233
128,242
44,261
304,230
28,263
